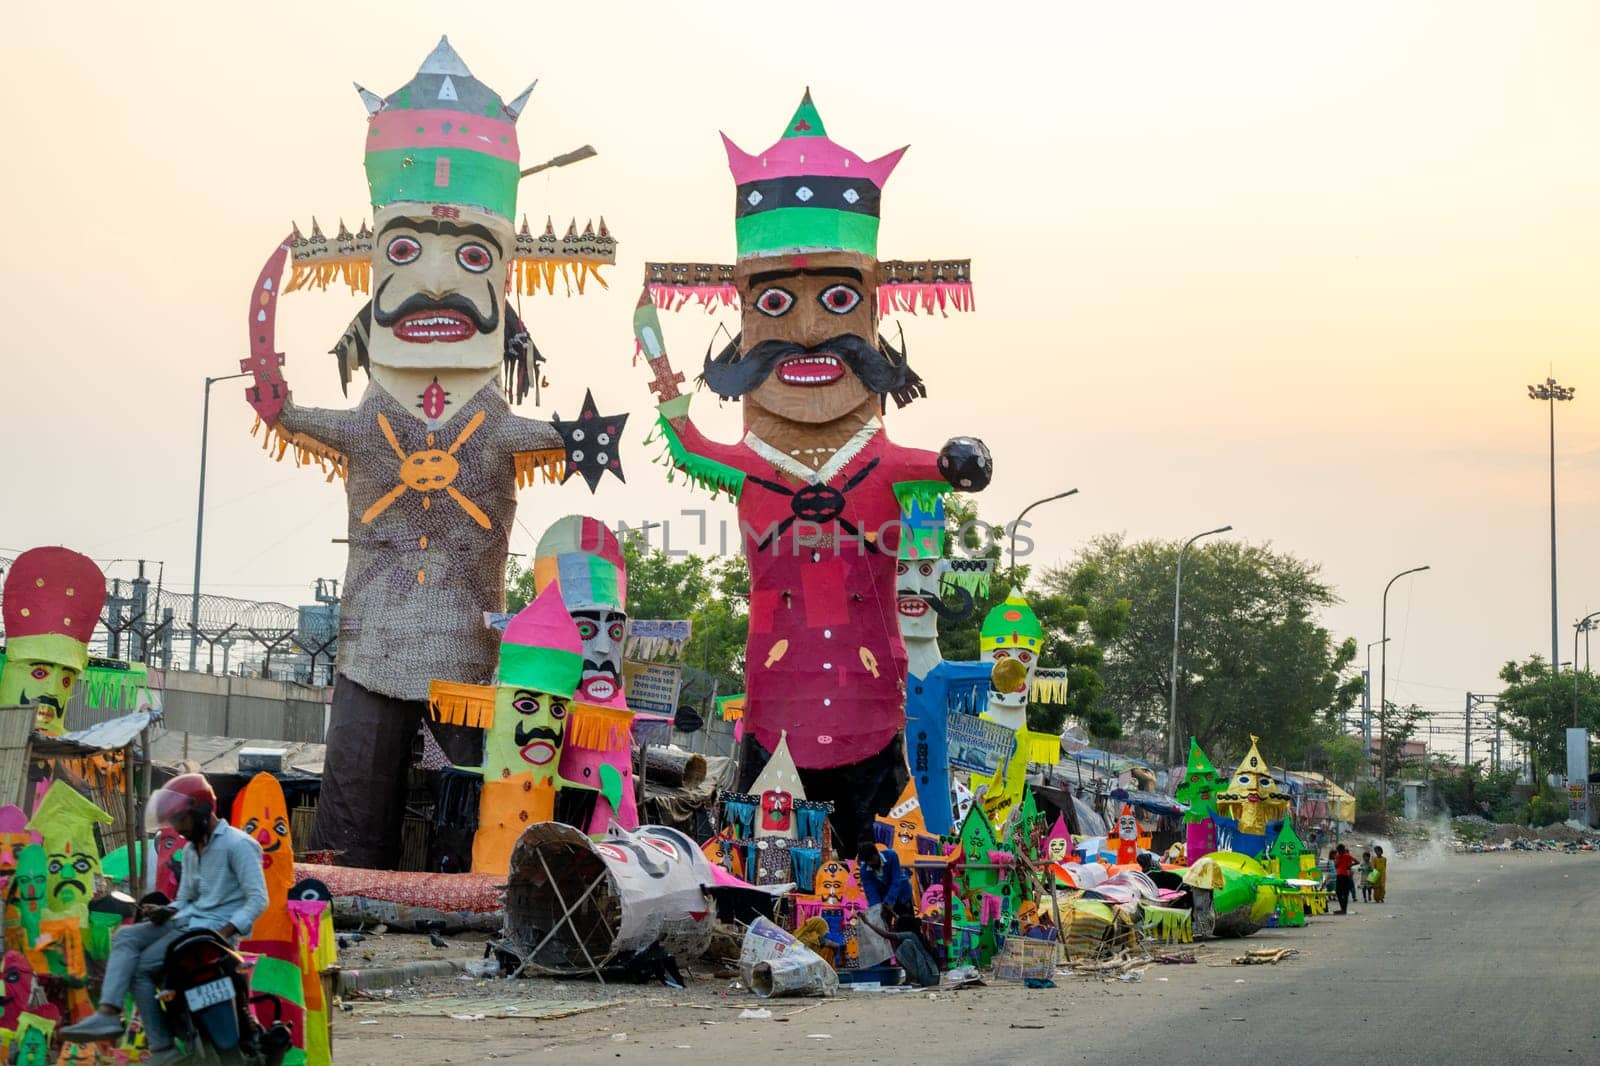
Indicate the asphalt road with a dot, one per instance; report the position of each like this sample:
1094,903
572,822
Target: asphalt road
1474,959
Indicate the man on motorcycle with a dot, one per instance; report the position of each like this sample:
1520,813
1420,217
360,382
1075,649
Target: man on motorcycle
223,888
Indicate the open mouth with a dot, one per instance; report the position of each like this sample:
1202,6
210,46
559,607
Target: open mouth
539,752
810,370
429,327
599,688
912,606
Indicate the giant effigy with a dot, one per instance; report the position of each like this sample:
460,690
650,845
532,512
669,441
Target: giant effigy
819,486
432,454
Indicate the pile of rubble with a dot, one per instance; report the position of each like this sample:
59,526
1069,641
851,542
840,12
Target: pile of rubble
1475,835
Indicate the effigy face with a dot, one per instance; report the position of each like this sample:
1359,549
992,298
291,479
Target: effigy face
44,684
601,628
916,589
526,735
807,353
438,286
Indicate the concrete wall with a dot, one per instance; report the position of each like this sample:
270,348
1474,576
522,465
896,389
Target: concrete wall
224,705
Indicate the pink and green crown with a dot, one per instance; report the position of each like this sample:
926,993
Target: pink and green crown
806,193
444,138
541,648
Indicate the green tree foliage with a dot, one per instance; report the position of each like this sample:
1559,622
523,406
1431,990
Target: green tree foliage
1490,794
1254,659
1078,624
712,593
1536,708
1401,728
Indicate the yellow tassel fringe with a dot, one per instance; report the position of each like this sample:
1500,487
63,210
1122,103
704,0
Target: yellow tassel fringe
598,728
355,273
277,442
455,703
549,465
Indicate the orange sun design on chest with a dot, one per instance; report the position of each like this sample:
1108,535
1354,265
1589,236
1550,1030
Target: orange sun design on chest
428,471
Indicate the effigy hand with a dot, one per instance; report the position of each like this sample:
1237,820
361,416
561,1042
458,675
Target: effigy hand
966,464
269,391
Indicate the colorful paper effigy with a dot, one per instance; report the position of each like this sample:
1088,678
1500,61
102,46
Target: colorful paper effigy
815,477
53,598
780,833
1127,837
525,716
582,559
1198,792
1010,641
432,455
65,820
261,812
1249,806
935,687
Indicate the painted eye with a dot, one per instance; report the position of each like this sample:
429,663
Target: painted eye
40,673
558,709
587,629
280,828
525,703
474,257
615,631
1024,656
55,866
775,302
403,250
82,864
927,569
66,681
250,827
840,299
901,567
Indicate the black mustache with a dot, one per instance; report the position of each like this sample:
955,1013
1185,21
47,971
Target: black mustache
591,667
732,374
945,610
48,701
525,735
417,303
70,881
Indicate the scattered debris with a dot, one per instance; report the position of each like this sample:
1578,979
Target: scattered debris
1266,956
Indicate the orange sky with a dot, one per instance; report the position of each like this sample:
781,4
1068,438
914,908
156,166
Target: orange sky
1284,267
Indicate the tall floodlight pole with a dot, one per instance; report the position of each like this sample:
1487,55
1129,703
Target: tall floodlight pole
1177,601
200,519
1549,393
1383,688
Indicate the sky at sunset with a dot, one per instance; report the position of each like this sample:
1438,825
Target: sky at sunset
1289,267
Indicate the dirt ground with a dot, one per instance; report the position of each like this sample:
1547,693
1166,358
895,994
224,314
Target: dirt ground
1433,936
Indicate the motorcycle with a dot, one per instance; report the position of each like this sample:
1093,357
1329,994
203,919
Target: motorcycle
205,999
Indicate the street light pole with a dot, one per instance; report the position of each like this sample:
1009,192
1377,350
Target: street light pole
1177,601
1581,627
1383,689
1366,716
200,520
1550,392
1024,514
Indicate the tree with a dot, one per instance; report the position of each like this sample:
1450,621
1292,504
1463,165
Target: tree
1254,659
712,593
1344,756
1536,708
1396,733
1078,624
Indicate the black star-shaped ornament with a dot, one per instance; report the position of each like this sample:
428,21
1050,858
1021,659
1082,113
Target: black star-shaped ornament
592,442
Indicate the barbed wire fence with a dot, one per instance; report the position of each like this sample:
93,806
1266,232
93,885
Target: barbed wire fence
144,622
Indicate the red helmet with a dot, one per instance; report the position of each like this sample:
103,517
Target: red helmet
184,793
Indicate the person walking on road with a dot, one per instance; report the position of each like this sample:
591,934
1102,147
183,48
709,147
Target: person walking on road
1367,874
1344,881
1380,866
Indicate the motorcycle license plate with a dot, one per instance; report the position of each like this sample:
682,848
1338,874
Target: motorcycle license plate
209,994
